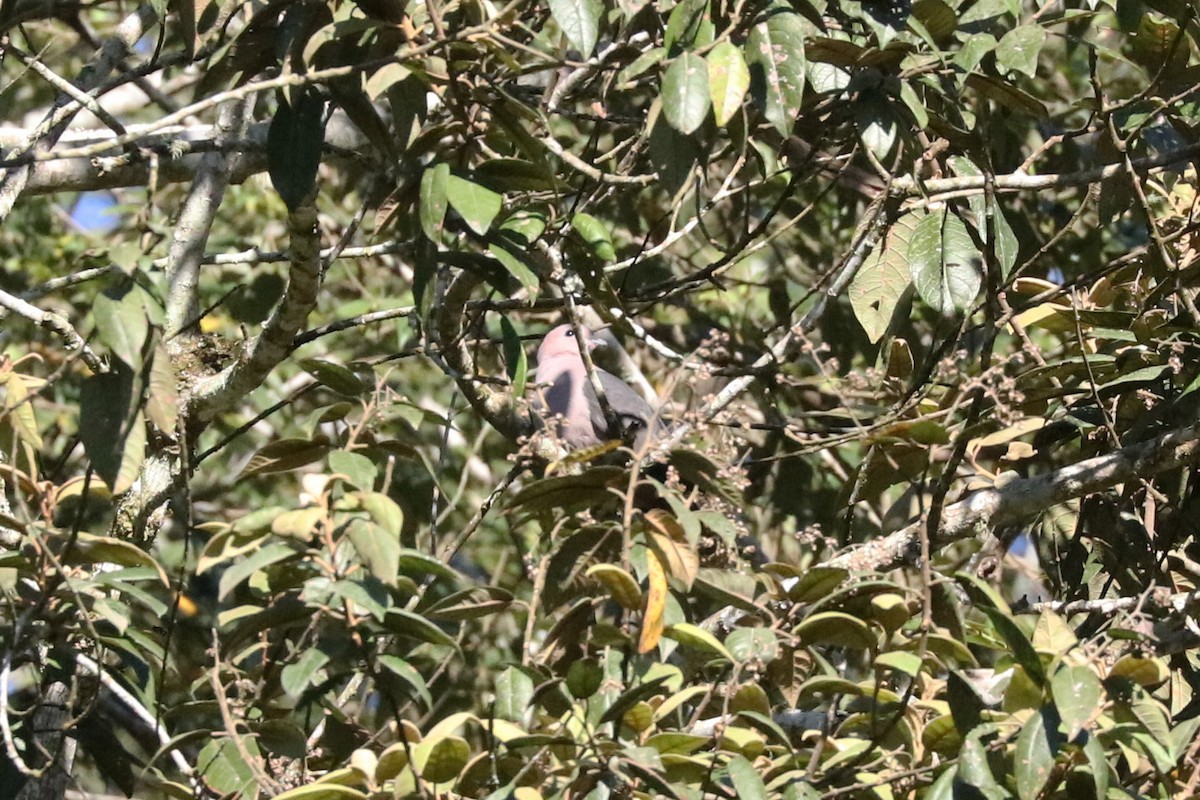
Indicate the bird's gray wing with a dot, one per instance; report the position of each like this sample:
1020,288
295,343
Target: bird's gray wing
635,417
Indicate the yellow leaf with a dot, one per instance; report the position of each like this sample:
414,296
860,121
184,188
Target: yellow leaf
620,585
656,602
669,542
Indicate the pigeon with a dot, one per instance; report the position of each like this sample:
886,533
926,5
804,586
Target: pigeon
568,395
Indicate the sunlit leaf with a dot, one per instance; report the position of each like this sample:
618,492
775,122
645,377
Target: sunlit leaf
580,21
477,204
775,55
944,262
685,93
728,80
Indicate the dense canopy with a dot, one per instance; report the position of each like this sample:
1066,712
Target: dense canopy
915,285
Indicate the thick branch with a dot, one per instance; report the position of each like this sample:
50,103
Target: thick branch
131,29
1011,502
259,355
173,155
196,217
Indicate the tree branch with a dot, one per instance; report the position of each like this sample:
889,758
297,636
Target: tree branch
214,394
56,325
1010,502
186,253
131,29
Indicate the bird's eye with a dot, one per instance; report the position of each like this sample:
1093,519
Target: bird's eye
571,333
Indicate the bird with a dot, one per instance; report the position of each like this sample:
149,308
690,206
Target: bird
568,395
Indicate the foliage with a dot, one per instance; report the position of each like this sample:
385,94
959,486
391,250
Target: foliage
916,283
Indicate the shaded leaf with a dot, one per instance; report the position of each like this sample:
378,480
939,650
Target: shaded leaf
434,201
837,629
113,437
121,323
378,548
884,277
294,142
336,376
285,455
162,393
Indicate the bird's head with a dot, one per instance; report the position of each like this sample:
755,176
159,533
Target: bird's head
562,341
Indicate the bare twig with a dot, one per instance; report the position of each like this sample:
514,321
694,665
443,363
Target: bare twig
56,325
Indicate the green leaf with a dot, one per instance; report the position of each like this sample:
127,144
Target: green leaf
696,638
414,626
972,51
514,694
584,678
358,469
243,568
775,53
1018,49
515,175
90,549
121,323
884,277
223,767
672,154
378,548
113,437
1079,696
944,263
877,123
759,644
1098,764
837,629
685,93
285,455
472,603
1034,757
162,394
441,759
515,360
405,672
580,21
335,376
975,771
689,27
596,234
514,259
433,201
1018,644
1007,246
18,409
747,782
728,81
1007,95
305,671
817,582
641,64
907,663
294,143
477,205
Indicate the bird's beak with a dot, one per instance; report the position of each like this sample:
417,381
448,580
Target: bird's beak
594,342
